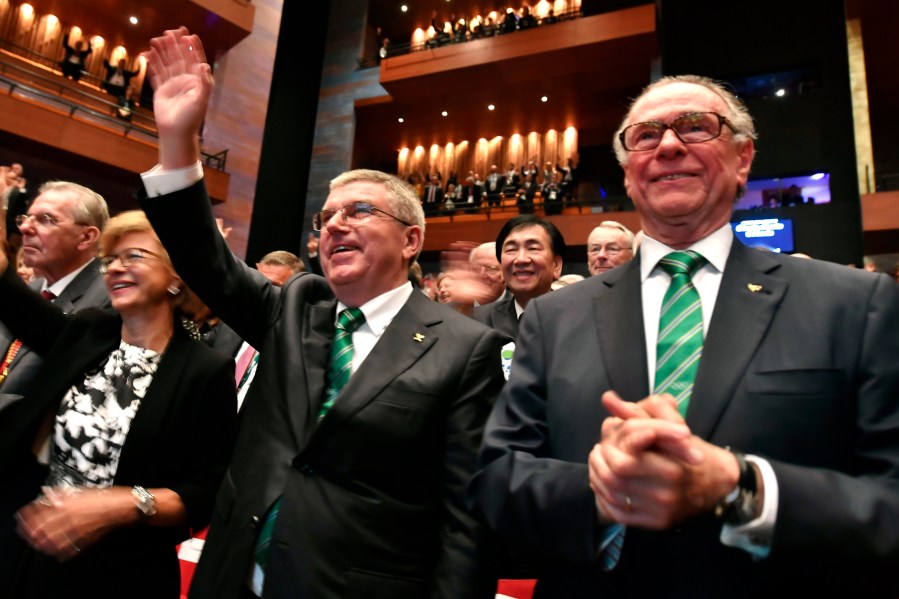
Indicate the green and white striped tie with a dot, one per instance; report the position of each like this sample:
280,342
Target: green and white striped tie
677,358
341,360
679,345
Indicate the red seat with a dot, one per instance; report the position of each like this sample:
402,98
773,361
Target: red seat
517,589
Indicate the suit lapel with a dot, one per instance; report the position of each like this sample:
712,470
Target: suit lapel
618,310
316,339
73,292
739,322
404,342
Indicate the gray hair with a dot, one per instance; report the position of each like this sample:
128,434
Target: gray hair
401,196
284,258
737,113
90,207
614,224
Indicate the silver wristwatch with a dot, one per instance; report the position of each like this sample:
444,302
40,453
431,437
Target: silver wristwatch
144,500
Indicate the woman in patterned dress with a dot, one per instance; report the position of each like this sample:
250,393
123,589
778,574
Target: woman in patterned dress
133,418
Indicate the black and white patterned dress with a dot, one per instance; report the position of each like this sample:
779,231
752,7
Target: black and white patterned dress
95,416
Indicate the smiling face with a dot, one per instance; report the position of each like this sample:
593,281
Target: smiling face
365,260
606,249
142,286
529,264
684,191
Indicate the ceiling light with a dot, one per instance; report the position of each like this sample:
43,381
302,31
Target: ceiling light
490,106
404,8
444,113
401,119
544,99
133,20
781,93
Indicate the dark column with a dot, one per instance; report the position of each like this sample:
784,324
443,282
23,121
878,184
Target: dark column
280,200
799,133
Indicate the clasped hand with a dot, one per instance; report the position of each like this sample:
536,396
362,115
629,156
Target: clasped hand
650,471
63,523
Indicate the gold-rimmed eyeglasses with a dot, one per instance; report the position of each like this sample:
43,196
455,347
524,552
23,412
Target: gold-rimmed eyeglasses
690,128
354,213
127,257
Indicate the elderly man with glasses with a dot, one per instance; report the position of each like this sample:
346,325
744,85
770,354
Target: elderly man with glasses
60,239
360,432
609,245
707,420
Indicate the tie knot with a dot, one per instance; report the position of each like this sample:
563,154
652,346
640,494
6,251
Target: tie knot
48,295
682,263
350,319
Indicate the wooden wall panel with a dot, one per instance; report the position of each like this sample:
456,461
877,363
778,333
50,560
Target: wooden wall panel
237,116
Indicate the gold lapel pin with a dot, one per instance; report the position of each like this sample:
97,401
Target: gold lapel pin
753,287
419,337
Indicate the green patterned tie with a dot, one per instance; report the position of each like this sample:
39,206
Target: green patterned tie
339,367
677,358
341,360
680,329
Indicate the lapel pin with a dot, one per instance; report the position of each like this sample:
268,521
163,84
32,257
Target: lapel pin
754,288
419,337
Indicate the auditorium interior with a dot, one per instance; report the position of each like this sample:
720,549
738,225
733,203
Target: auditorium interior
305,91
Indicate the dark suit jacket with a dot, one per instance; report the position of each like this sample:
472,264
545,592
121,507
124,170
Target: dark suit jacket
87,290
180,439
373,494
224,340
499,316
803,373
498,188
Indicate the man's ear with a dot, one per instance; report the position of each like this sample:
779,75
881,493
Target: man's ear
89,237
414,239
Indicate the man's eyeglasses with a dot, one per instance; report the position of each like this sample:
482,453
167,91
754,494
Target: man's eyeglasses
690,128
128,258
44,220
354,213
612,250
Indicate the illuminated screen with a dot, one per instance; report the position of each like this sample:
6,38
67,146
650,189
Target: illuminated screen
783,192
775,234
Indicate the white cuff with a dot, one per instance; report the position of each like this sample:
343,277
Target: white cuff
159,182
755,536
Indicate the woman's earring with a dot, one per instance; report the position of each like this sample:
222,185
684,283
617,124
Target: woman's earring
173,289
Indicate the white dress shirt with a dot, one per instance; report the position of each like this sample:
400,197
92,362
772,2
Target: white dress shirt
754,536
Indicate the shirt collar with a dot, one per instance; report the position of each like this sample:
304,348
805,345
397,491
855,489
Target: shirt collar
59,286
381,310
714,248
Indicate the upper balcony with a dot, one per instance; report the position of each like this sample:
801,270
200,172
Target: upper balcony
512,72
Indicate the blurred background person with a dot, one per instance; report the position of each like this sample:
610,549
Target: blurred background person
25,272
130,418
